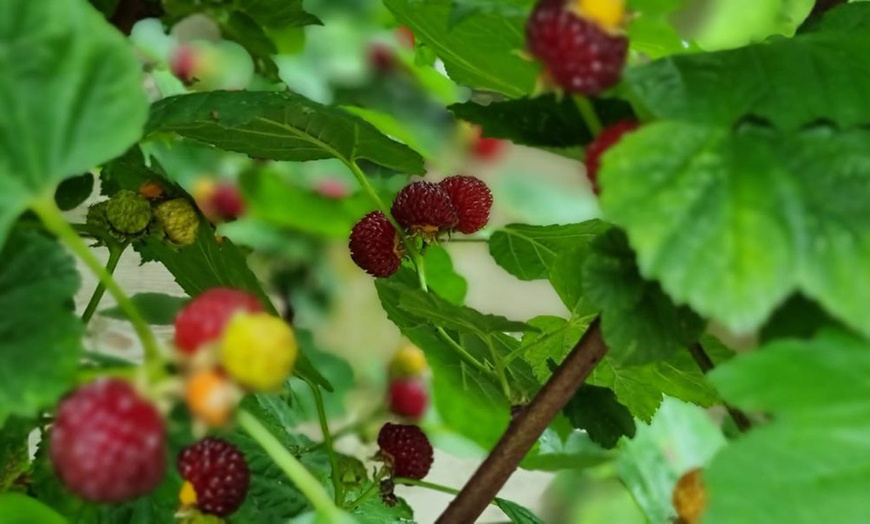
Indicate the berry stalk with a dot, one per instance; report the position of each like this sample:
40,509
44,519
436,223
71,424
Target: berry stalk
290,465
590,117
705,364
327,442
115,252
53,219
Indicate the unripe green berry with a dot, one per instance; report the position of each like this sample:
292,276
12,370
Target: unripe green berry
179,220
128,212
96,216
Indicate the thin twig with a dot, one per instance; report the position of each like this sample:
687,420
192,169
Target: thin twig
705,363
525,429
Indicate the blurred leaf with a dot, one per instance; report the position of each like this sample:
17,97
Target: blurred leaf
74,102
392,127
640,323
846,17
374,511
684,87
681,437
815,460
17,508
733,23
333,368
107,7
479,51
156,308
40,337
279,126
650,30
798,317
543,121
753,216
516,513
14,452
575,451
72,192
596,410
527,252
278,14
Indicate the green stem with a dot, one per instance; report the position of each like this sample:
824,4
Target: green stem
428,485
374,488
327,442
115,252
466,356
499,368
590,117
307,484
55,222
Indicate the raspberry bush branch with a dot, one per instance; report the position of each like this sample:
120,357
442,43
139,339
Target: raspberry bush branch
526,428
706,365
54,221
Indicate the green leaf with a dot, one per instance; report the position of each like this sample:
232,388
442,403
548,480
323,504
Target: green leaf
650,32
527,252
14,451
733,23
274,14
640,323
480,51
442,277
40,337
753,216
847,17
762,79
279,126
157,309
16,508
72,192
812,451
575,451
516,513
566,276
798,317
555,338
72,97
545,121
596,410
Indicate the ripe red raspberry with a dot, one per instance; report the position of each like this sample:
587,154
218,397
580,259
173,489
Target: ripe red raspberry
487,149
425,208
218,474
375,246
604,141
107,443
408,398
228,201
578,55
407,448
472,200
203,319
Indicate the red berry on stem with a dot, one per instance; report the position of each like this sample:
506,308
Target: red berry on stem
609,137
578,55
107,443
407,448
228,201
219,474
424,207
203,319
487,149
375,246
408,398
472,200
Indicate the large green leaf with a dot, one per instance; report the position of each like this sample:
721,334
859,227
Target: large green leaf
752,216
733,23
814,454
650,31
596,410
18,508
527,252
40,337
480,50
71,97
545,121
279,126
771,81
640,323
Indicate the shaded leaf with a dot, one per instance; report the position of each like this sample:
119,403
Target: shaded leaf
596,410
157,309
516,513
72,192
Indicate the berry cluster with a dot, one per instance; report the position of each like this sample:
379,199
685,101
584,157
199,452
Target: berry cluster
423,209
579,43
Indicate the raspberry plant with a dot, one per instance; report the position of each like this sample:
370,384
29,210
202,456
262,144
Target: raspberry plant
727,267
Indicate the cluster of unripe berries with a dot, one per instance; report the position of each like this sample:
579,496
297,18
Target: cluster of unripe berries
422,209
109,444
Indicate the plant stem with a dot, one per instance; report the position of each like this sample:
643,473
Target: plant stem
55,222
327,442
590,117
465,355
115,252
428,485
525,429
307,484
705,363
374,488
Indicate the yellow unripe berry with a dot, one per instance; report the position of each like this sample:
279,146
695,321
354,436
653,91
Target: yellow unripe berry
258,351
409,361
607,14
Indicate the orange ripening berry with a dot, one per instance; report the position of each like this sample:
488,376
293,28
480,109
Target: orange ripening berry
151,190
211,397
690,497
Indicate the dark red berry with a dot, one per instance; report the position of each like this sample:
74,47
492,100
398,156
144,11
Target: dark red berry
382,58
604,141
472,200
407,448
375,246
228,201
108,444
425,208
219,475
203,319
408,398
578,55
